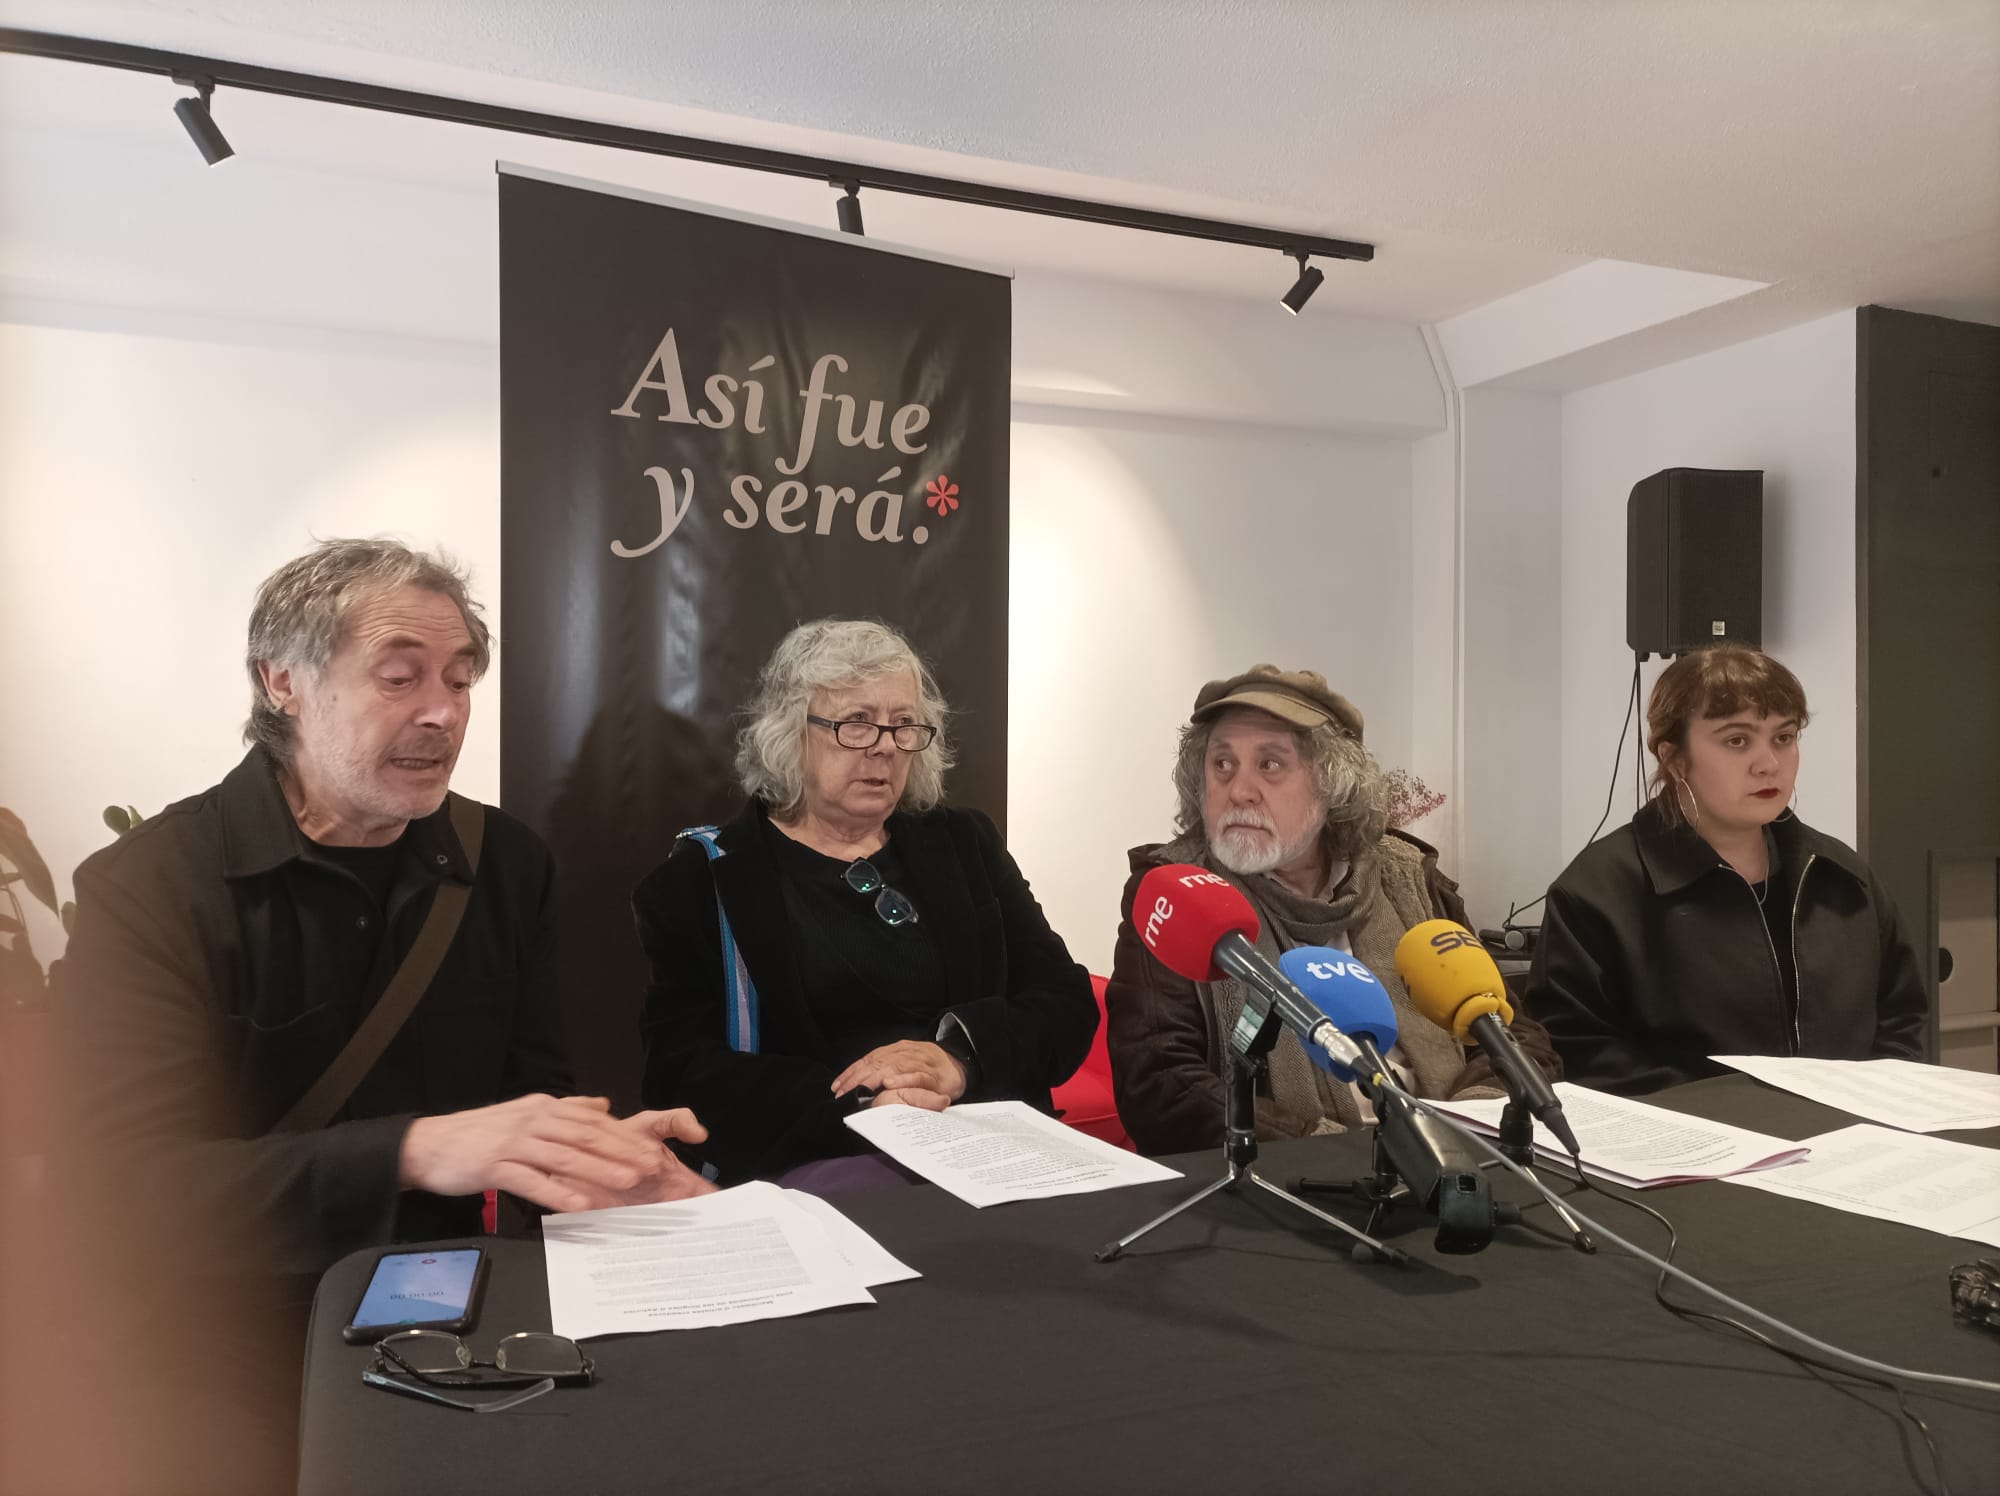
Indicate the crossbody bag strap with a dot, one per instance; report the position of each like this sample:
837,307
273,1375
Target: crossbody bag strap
740,990
399,999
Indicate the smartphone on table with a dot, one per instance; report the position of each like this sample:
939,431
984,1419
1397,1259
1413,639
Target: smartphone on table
434,1290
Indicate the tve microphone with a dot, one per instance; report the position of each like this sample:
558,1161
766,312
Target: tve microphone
1455,984
1201,927
1441,1173
1334,982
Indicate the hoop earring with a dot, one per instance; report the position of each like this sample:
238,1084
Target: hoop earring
1680,789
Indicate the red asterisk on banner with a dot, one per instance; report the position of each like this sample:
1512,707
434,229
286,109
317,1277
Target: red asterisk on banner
941,494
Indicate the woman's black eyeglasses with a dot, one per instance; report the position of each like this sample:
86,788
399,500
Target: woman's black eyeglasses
418,1362
911,737
892,906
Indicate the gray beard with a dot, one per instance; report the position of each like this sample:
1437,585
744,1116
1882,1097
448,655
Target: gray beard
1245,855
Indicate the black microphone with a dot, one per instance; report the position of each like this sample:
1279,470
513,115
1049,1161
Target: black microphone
1454,983
1441,1172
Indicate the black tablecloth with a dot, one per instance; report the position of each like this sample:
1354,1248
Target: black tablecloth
1238,1349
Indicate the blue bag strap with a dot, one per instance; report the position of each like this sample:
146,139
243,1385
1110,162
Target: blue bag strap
742,992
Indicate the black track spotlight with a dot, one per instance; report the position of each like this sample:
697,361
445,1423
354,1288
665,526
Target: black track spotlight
849,207
200,124
1308,282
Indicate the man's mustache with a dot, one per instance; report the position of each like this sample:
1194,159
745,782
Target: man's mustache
438,747
1250,818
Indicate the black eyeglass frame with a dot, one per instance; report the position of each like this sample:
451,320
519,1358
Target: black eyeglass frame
895,730
892,906
404,1386
472,1371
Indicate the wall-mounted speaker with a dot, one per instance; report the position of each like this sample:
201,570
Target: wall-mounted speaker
1694,560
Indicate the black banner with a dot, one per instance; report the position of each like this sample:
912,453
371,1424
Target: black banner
712,430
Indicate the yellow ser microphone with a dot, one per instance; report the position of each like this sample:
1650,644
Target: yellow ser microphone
1450,977
1454,983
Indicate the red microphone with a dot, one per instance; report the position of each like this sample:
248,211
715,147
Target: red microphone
1183,911
1198,925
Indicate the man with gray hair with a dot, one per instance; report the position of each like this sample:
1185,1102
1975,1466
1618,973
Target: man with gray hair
1278,795
233,1073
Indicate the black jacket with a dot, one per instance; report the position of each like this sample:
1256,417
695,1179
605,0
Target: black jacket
220,963
1025,1005
1655,955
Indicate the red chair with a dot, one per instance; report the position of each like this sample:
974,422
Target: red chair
1085,1099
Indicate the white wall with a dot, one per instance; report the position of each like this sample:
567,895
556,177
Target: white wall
147,484
1783,403
1151,556
1511,773
1434,638
1199,485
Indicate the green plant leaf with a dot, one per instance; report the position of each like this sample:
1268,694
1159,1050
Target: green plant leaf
19,850
114,817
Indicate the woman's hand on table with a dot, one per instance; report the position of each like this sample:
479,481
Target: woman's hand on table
908,1065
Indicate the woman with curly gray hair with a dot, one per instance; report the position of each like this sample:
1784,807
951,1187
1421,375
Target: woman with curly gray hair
847,940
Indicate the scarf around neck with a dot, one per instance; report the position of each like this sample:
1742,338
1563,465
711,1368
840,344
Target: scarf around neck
1383,893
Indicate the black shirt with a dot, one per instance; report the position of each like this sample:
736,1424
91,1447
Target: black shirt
869,983
1009,994
221,960
373,867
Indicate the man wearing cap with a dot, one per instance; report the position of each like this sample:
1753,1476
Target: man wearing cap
1278,795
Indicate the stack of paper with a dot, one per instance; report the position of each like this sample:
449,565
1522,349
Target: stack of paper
1933,1183
753,1252
1640,1146
990,1152
1900,1093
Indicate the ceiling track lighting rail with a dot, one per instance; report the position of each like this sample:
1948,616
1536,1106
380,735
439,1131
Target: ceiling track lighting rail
208,73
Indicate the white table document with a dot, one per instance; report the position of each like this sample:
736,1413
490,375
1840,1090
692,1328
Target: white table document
1933,1183
1638,1145
1898,1093
753,1252
869,1259
990,1152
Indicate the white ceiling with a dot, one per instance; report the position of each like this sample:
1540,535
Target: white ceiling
1845,151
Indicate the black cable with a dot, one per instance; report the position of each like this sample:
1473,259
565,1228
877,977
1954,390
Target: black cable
1638,763
1610,794
1618,759
1824,1370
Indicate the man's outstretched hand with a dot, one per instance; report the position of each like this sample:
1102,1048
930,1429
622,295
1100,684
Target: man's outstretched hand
563,1153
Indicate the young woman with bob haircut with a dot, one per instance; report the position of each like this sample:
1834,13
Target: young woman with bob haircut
1717,922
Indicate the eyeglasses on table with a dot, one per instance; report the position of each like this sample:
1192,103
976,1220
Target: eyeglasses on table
426,1363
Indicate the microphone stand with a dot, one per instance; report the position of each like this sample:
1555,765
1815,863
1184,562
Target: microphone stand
1385,1186
1517,1142
1239,1150
1460,1201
